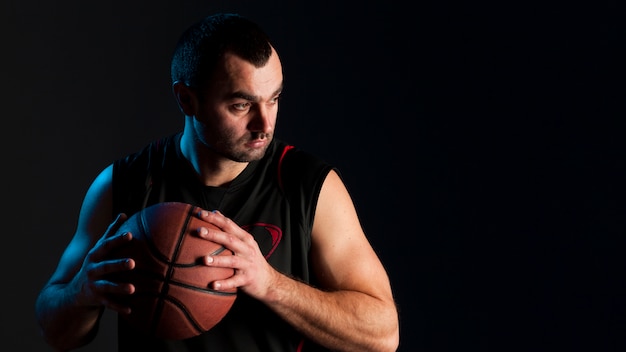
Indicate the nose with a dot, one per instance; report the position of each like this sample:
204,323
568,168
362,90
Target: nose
262,120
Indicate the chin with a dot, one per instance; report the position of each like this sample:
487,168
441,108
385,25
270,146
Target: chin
248,156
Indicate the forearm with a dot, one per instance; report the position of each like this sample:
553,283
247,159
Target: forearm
340,320
63,323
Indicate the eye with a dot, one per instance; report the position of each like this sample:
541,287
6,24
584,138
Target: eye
274,100
241,106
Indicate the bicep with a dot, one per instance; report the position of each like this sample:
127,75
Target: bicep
343,258
94,217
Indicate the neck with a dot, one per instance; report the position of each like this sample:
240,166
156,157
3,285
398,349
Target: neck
211,168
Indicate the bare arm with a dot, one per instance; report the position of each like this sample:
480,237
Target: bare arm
354,310
70,305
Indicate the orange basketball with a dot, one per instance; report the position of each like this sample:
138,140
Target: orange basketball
173,298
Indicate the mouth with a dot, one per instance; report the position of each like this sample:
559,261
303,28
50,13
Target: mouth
257,143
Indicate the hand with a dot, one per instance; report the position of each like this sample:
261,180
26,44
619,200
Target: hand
93,281
253,274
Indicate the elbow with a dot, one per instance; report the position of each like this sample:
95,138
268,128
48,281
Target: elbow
391,341
388,343
394,342
388,338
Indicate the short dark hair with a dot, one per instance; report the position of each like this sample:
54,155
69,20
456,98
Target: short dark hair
203,44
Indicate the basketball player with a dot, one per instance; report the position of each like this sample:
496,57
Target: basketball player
312,283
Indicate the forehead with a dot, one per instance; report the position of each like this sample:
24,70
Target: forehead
236,74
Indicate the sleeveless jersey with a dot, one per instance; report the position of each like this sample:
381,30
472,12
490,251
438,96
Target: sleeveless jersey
274,199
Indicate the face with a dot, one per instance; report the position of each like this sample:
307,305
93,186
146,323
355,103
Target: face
236,114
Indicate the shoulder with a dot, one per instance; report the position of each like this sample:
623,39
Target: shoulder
301,172
299,161
152,152
133,175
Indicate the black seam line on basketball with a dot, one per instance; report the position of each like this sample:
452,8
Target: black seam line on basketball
159,308
182,308
170,269
160,278
151,246
156,253
185,311
195,263
200,289
219,250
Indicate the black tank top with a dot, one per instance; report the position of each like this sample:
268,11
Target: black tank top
274,199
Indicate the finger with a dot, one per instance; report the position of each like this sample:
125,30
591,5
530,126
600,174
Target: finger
109,267
108,293
224,285
111,288
106,245
210,234
115,225
216,218
119,308
222,261
238,280
234,243
227,226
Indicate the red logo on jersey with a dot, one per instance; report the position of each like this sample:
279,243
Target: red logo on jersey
267,235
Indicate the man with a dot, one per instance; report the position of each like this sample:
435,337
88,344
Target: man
319,286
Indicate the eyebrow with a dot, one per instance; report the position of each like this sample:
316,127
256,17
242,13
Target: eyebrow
254,98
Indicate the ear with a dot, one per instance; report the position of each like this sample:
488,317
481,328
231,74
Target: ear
186,98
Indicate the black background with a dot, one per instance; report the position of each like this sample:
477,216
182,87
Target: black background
482,143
